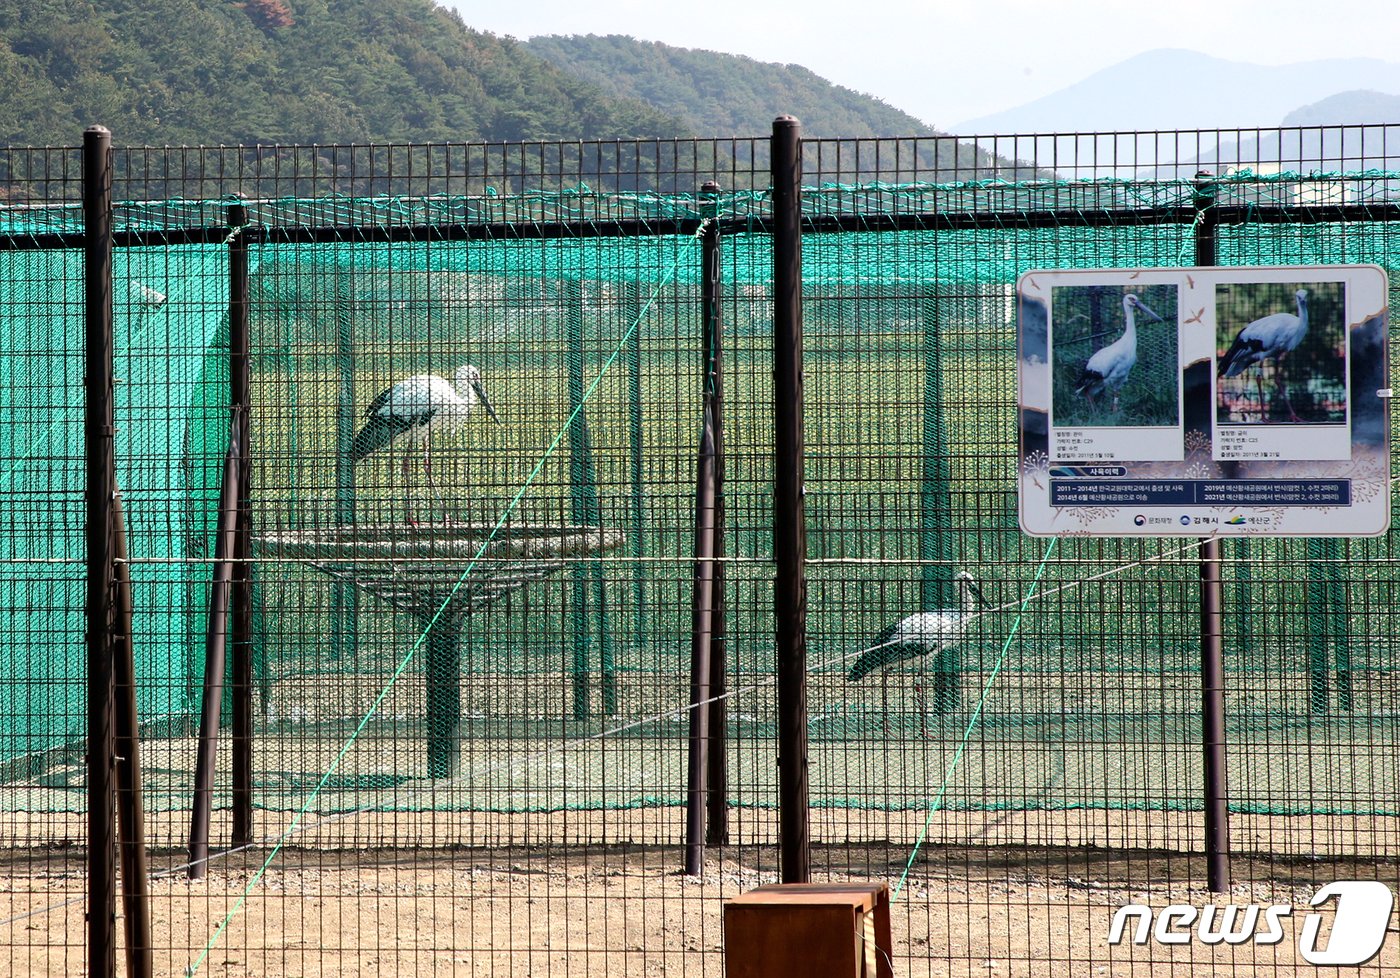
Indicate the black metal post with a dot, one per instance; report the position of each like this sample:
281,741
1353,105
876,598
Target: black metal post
345,597
703,591
99,431
215,656
443,674
131,815
241,638
636,537
937,588
712,280
580,476
1217,810
789,522
591,622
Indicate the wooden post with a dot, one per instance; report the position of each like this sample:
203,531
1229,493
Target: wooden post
241,599
636,537
936,586
789,520
712,278
590,589
443,672
99,434
702,595
215,656
131,814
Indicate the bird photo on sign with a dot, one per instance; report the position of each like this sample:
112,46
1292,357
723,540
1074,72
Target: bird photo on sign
1280,353
1114,350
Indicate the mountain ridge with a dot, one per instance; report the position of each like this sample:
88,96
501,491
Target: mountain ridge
673,80
1207,92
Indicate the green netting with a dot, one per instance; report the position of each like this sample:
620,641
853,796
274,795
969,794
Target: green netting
171,416
911,427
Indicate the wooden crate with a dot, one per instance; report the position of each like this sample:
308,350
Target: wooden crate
809,930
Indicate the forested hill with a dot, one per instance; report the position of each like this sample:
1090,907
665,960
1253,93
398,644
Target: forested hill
730,95
722,94
230,72
286,71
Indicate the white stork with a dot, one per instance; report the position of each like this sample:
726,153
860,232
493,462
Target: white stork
1108,369
923,633
1271,338
412,410
144,297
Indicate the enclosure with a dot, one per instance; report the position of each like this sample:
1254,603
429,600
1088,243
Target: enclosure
517,706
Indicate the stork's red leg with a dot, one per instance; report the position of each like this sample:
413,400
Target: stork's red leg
432,487
407,496
1283,391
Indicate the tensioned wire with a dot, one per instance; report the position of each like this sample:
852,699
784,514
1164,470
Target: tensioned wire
841,661
418,643
972,720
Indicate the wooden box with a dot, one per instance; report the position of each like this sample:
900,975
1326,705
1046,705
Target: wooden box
809,930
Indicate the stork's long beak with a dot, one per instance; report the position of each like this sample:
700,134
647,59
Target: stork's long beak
1150,314
476,386
977,593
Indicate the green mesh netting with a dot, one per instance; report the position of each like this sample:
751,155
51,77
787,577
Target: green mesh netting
910,426
171,418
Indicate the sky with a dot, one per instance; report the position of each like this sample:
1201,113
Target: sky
946,61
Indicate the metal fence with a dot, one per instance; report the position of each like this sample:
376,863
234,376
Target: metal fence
536,687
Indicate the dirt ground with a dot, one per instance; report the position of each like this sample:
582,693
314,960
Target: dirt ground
390,880
627,910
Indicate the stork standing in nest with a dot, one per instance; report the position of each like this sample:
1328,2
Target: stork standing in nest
411,410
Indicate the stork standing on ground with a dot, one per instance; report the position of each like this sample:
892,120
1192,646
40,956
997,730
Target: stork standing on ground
922,634
1270,338
1108,369
412,410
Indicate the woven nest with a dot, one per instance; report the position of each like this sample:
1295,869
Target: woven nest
421,568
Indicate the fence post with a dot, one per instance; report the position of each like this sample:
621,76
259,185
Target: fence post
636,542
1326,626
789,523
703,593
936,588
590,590
131,816
215,649
241,638
1217,811
101,613
717,775
345,597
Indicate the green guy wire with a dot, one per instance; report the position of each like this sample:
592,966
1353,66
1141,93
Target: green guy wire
972,721
408,656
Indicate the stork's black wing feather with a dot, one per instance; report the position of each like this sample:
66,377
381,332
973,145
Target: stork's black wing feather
1238,350
380,400
1090,382
881,655
378,431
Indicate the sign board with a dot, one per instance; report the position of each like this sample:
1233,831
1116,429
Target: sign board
1204,401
